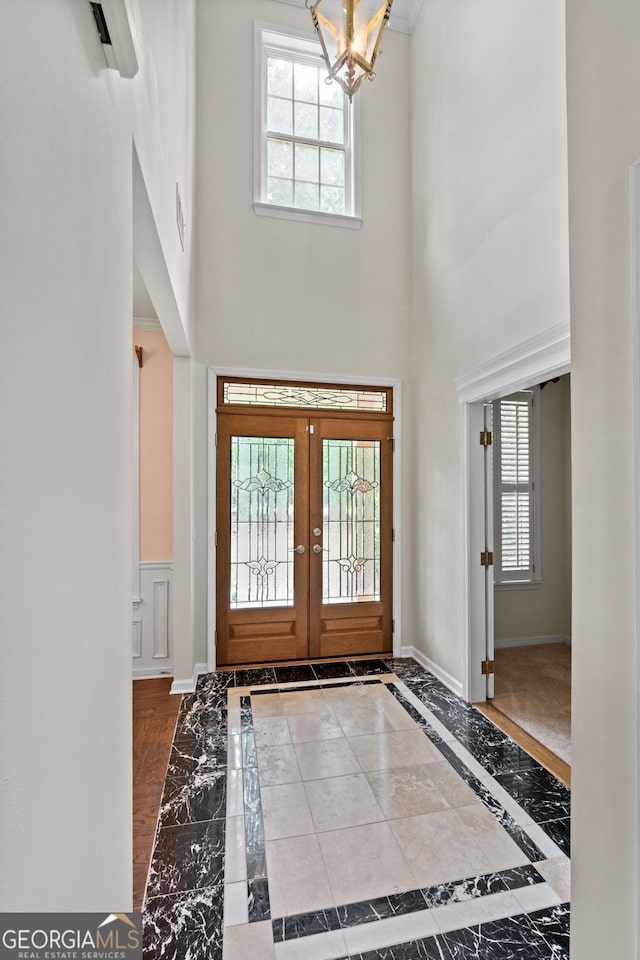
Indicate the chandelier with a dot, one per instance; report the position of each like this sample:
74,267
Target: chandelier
350,32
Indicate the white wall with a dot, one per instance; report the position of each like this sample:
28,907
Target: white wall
546,611
65,484
283,295
604,140
489,256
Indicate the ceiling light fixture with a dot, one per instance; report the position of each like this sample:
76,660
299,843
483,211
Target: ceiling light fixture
350,32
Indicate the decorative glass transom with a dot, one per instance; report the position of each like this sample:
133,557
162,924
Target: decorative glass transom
351,520
319,398
262,499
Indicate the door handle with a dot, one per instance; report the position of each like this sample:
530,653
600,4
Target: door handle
317,548
317,532
298,549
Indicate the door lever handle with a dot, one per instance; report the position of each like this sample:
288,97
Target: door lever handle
298,549
318,549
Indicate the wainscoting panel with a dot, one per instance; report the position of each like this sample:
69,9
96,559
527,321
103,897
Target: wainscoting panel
151,642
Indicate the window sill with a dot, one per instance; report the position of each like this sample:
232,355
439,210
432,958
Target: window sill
519,585
307,216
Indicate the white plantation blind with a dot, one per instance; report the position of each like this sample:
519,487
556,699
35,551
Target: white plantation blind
514,540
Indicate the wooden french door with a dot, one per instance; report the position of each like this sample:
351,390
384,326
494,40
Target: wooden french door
304,535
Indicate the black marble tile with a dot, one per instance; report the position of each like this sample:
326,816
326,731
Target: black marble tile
255,846
251,786
539,793
368,911
201,797
405,667
198,721
458,891
188,857
255,678
328,671
216,682
186,925
197,757
305,925
511,938
364,668
259,905
246,715
560,833
295,674
249,753
554,925
505,757
362,682
518,877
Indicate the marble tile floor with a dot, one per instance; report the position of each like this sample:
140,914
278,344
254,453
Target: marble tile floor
353,810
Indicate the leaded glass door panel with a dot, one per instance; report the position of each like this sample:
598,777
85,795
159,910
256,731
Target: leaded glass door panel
304,517
262,567
350,536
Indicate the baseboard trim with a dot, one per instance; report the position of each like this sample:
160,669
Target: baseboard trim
150,674
189,686
454,685
532,641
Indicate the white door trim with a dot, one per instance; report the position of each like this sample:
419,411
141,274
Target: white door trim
396,386
634,204
542,357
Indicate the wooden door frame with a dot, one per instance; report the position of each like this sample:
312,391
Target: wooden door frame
396,386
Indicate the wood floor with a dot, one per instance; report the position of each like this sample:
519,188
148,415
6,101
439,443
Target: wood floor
154,719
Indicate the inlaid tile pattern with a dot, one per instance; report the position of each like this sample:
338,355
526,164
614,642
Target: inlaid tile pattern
507,804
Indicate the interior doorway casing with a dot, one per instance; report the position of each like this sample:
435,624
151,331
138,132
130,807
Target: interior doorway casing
396,387
542,357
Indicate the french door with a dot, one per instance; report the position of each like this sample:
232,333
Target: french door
304,535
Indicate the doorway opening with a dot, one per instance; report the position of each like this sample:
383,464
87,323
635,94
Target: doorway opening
536,361
304,520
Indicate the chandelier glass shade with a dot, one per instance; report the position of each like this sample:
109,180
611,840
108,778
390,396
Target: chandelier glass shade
350,32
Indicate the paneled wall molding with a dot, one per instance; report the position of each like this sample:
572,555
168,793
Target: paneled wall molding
146,323
152,649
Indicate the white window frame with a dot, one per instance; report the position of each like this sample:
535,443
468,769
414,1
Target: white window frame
302,47
517,579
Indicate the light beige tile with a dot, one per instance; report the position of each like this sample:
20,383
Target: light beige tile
251,940
298,881
235,793
271,731
439,848
285,811
557,873
236,904
310,726
365,718
501,851
326,758
278,765
406,791
307,701
235,857
364,862
451,785
319,946
397,715
267,705
342,802
234,720
401,748
234,752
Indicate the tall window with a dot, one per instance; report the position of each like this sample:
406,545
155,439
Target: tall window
304,132
517,543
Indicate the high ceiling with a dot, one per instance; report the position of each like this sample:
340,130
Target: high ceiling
404,13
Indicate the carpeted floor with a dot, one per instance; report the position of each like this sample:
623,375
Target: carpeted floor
533,688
